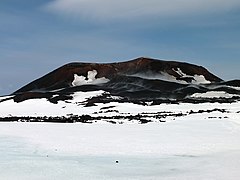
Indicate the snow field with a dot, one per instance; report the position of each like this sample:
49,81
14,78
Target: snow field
185,149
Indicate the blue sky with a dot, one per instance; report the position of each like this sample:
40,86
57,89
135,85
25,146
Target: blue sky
38,36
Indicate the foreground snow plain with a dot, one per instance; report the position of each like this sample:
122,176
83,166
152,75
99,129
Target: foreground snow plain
195,146
188,148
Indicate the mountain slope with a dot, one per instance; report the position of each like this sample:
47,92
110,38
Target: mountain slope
155,69
138,79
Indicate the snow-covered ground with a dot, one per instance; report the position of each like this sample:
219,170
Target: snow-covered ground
202,143
188,148
42,107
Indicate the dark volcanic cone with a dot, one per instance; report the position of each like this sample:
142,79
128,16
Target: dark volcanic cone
64,76
138,80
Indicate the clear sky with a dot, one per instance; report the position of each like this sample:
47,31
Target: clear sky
37,36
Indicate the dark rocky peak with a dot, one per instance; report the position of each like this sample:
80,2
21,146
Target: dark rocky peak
148,68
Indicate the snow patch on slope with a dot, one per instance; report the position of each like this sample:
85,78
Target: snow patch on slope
200,79
234,87
214,94
164,76
161,76
197,79
91,79
83,96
